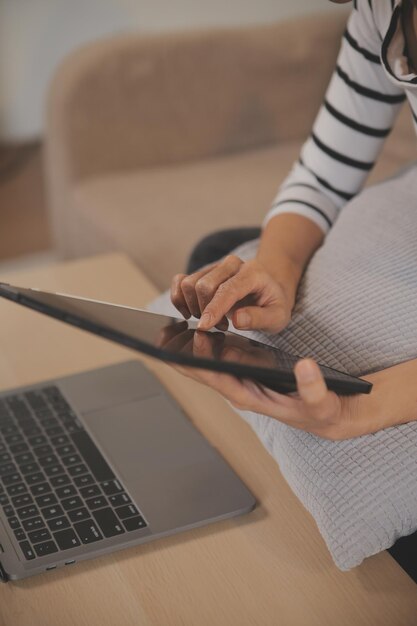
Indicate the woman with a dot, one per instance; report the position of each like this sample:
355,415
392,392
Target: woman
376,71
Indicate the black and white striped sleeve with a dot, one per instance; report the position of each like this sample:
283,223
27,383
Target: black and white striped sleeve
357,114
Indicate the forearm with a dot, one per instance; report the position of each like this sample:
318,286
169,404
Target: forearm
287,243
393,399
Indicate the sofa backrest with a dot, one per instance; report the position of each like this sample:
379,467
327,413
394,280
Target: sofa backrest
135,101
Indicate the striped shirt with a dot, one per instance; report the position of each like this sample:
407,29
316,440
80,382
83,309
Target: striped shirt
371,80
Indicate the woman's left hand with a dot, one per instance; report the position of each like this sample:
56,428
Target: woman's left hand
313,408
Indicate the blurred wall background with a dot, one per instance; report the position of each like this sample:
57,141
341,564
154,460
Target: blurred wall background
36,34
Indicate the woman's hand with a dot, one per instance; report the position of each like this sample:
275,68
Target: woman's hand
314,408
244,292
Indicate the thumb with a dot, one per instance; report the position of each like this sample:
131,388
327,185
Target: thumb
270,318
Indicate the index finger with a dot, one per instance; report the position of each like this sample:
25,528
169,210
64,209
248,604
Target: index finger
228,293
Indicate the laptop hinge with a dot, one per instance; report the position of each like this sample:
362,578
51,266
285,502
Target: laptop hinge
3,574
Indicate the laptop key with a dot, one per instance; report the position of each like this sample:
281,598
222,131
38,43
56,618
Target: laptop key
25,457
27,550
108,523
59,523
26,512
60,481
47,500
76,470
111,486
73,427
20,534
30,468
7,468
96,503
33,524
134,523
32,479
43,549
65,450
60,440
72,459
53,470
10,479
43,450
67,539
16,439
127,511
40,489
88,531
13,522
78,515
37,440
50,459
52,511
5,457
48,422
23,500
66,492
119,499
36,536
4,499
9,430
14,490
72,503
81,481
8,510
90,491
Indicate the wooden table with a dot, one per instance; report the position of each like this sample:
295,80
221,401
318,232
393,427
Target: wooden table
267,568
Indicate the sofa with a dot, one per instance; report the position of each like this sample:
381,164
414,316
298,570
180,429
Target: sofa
152,141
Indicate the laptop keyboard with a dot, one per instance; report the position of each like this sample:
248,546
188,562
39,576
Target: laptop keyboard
56,489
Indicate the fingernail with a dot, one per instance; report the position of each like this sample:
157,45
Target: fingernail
242,319
205,320
307,372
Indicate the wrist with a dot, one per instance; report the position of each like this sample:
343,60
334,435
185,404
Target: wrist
393,399
284,271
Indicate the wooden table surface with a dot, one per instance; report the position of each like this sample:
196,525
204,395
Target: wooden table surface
268,568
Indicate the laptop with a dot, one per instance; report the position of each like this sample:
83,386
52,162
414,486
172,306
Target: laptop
100,461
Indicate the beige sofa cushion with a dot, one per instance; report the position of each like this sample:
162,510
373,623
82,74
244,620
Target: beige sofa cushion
156,215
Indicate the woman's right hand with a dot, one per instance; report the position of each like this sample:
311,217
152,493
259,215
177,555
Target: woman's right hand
241,291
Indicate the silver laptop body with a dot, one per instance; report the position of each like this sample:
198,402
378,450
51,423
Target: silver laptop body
150,474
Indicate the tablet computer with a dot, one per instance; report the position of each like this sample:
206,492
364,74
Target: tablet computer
171,339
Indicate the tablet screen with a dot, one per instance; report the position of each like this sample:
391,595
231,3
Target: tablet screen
172,339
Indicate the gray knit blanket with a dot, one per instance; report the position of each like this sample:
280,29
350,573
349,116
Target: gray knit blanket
356,311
